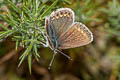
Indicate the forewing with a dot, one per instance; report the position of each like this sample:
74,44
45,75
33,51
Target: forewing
77,35
61,20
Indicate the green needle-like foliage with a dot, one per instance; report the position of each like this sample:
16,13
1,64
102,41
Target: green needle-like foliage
26,25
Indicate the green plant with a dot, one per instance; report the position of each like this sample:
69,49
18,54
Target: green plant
85,11
26,25
113,18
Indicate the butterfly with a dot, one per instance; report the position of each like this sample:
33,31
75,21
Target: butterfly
64,33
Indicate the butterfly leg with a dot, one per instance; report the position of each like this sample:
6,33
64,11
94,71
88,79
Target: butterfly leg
53,57
64,54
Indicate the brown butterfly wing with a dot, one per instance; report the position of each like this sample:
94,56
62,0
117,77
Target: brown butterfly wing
61,20
77,35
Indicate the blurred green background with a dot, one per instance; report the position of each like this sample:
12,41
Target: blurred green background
99,60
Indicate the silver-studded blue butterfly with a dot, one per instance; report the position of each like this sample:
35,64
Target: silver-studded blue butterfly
64,33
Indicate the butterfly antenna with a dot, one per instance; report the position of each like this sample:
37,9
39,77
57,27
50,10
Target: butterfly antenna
64,54
53,57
